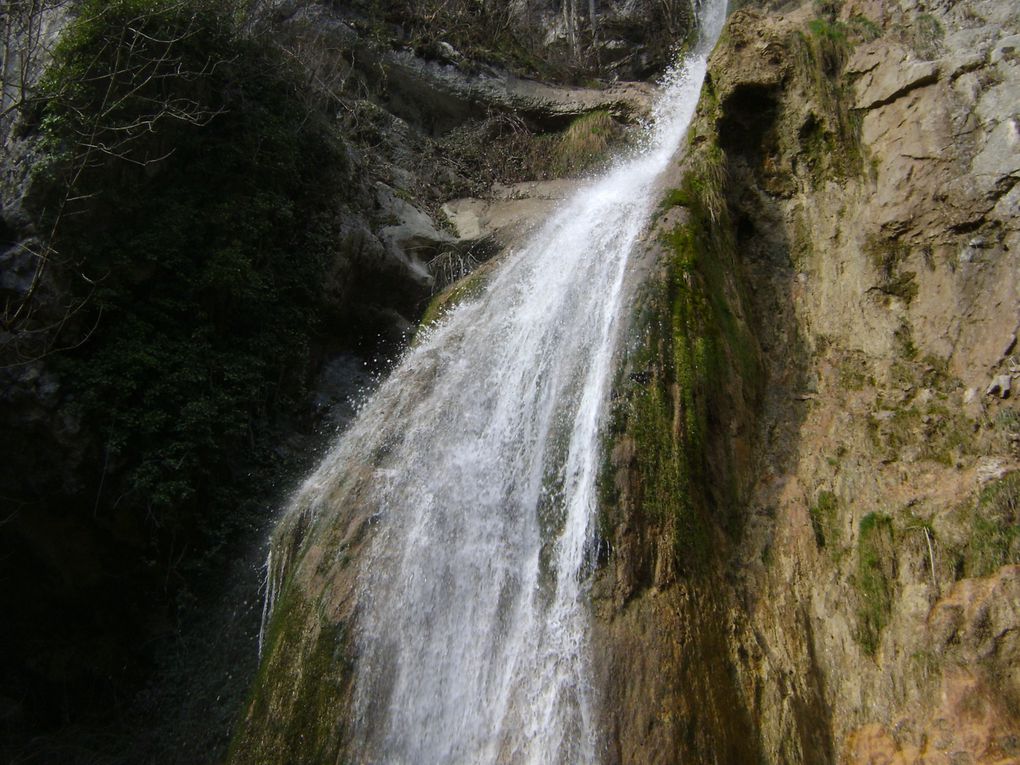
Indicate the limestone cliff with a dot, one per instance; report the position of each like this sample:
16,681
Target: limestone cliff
810,498
851,594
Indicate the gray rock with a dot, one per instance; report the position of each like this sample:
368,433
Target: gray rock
508,212
412,238
443,89
1000,385
895,75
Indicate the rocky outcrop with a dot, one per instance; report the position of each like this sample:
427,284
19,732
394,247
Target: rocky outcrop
448,96
507,212
810,501
864,601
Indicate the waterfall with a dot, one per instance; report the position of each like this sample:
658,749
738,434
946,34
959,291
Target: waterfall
482,451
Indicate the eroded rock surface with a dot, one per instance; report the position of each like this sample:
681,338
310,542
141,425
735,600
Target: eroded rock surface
866,600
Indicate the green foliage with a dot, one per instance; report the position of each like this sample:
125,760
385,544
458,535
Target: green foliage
994,539
876,574
188,186
863,29
830,136
857,29
482,30
834,32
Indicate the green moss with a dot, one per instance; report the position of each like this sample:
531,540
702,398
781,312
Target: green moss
306,669
903,338
994,539
886,256
936,431
825,522
927,667
467,288
676,198
853,372
693,346
948,434
926,35
876,573
819,146
831,136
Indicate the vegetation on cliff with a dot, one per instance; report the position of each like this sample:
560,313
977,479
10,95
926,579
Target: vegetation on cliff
564,42
187,190
191,186
695,356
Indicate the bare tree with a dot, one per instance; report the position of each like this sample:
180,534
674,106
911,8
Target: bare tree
132,90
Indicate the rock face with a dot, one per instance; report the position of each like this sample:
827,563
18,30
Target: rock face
508,211
862,608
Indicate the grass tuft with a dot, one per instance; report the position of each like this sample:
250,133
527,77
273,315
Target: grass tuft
876,572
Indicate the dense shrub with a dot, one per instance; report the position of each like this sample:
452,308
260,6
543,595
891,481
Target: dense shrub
187,186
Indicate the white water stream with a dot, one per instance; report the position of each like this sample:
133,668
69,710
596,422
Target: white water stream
472,631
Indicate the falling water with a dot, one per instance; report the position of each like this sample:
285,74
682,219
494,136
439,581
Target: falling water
472,630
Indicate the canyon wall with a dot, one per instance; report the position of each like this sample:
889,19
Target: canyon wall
841,585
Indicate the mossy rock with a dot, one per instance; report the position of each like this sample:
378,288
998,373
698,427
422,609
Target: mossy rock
296,711
467,288
696,365
826,522
994,539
